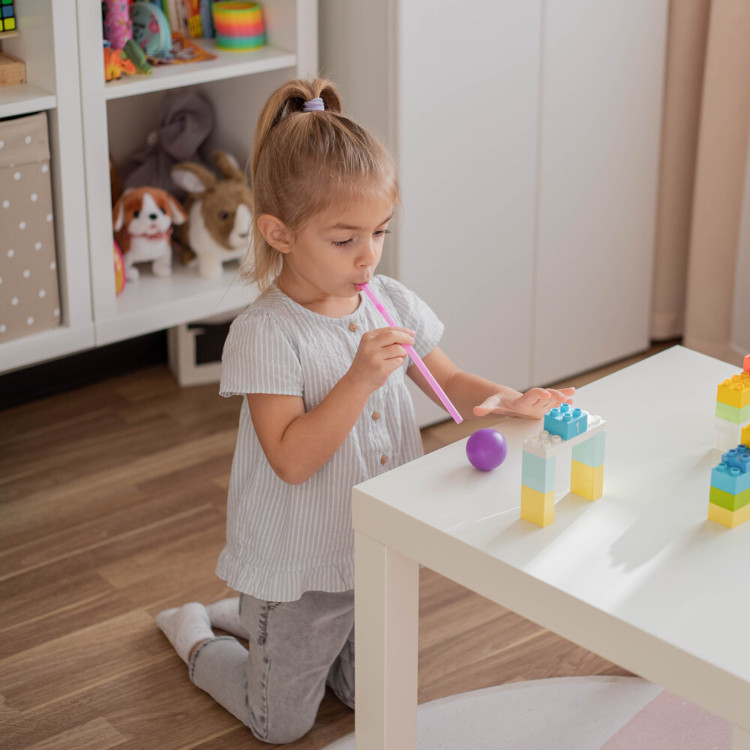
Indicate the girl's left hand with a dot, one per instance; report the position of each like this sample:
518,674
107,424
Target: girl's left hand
533,404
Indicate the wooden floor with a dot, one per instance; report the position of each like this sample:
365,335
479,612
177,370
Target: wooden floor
112,507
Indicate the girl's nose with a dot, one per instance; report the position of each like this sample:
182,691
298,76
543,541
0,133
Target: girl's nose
369,255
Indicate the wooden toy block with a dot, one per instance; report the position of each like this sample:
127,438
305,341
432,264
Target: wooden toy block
537,507
586,481
728,500
12,70
735,391
732,413
591,452
728,518
538,473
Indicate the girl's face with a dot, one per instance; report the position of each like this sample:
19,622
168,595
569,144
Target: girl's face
333,253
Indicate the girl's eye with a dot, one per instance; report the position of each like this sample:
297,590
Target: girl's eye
342,243
382,232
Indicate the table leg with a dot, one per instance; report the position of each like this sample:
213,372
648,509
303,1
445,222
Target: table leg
386,611
740,739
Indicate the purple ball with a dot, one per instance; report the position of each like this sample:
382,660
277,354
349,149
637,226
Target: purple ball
486,449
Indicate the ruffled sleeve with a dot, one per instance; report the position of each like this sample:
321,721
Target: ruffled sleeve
259,357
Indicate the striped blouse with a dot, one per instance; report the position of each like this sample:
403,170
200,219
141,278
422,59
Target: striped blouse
284,539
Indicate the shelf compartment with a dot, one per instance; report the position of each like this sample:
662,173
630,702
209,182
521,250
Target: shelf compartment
23,99
226,65
153,303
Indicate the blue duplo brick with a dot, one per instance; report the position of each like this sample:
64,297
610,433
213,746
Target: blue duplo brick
729,479
566,422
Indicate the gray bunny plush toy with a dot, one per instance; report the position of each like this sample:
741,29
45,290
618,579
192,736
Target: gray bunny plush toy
219,213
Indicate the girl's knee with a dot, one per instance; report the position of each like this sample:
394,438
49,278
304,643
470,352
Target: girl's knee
283,732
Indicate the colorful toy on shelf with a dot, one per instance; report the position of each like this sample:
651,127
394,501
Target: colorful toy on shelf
151,29
119,269
729,496
115,65
732,409
8,22
586,438
142,219
118,28
137,56
219,213
239,25
486,449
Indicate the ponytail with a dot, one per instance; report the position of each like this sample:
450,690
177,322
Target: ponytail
305,162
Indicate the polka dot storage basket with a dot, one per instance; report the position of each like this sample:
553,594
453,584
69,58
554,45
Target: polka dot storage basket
29,294
239,26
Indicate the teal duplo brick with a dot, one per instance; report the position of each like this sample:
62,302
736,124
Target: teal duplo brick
591,451
565,422
538,473
730,479
738,458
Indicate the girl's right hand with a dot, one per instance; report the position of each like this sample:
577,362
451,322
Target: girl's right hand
380,352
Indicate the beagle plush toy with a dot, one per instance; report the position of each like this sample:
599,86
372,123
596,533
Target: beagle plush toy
142,219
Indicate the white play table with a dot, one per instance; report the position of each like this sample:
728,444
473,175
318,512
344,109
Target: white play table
641,576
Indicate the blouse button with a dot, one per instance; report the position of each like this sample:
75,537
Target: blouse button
383,459
376,415
352,326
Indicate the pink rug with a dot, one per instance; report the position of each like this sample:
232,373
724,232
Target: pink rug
671,723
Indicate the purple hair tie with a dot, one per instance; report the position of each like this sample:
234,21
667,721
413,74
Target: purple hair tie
314,105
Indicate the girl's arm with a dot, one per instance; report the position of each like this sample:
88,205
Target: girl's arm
475,394
297,443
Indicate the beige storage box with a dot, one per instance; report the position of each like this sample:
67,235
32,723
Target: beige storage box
29,292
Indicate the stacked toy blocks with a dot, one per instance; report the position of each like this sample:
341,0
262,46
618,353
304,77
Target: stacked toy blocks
564,428
729,499
732,409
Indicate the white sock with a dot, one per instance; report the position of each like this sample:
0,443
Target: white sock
225,614
185,626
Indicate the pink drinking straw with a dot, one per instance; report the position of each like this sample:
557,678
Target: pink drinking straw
421,366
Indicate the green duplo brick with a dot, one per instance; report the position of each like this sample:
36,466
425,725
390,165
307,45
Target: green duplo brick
538,473
732,413
730,502
590,452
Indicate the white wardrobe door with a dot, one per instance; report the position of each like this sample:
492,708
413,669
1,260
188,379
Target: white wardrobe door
603,69
468,105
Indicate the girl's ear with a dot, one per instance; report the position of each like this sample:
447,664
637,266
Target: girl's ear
275,232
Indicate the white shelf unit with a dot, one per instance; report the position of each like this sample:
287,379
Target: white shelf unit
61,43
48,44
117,118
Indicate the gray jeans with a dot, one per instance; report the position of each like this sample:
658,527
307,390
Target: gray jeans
294,649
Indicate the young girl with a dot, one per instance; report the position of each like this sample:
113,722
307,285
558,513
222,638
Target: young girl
324,407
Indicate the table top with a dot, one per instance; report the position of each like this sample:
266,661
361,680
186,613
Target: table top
640,576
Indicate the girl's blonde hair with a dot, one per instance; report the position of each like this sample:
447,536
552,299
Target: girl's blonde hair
305,163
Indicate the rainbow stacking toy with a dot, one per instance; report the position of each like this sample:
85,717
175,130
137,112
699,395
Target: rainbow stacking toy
239,26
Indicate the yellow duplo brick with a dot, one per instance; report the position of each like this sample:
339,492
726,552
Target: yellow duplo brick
586,481
537,507
726,517
746,436
735,391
